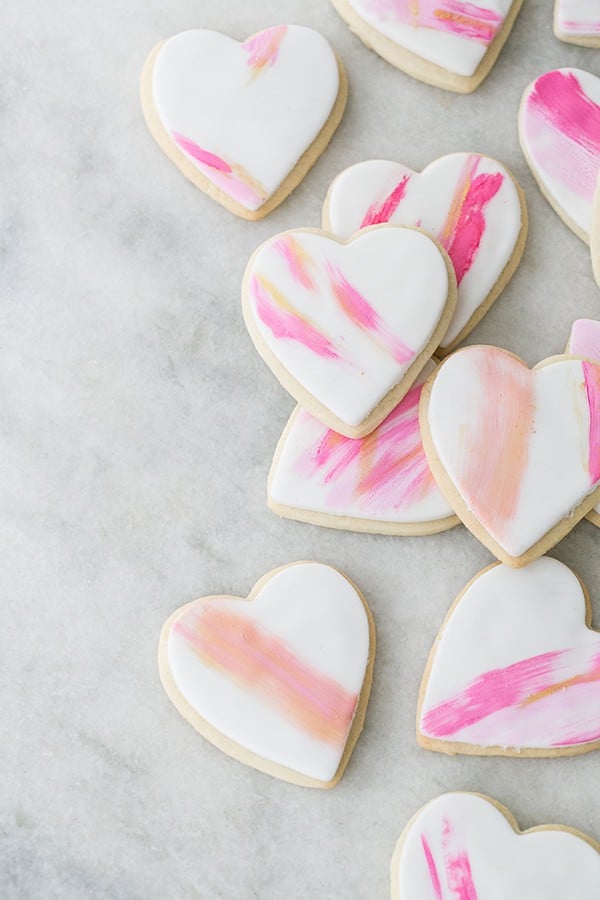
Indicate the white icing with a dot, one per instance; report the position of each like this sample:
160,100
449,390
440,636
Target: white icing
297,481
402,275
584,341
320,618
578,18
426,202
453,52
556,477
263,121
541,865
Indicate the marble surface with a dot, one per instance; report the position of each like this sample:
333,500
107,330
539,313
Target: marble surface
137,427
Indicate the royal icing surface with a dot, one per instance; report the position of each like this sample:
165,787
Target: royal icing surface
245,113
383,477
559,124
584,341
280,674
521,447
578,18
468,202
515,665
453,34
347,321
461,847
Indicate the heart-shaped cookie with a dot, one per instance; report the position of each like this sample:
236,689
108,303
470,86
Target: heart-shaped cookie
516,452
470,203
469,847
452,44
595,234
559,129
584,342
280,680
381,484
577,22
244,121
515,669
347,327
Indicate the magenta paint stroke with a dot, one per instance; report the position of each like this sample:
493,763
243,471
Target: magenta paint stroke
231,179
432,868
297,259
359,310
591,377
459,875
381,211
466,20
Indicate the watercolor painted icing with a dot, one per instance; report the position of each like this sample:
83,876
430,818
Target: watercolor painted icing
559,126
469,202
578,21
344,326
279,676
467,847
515,668
379,483
584,341
515,451
244,113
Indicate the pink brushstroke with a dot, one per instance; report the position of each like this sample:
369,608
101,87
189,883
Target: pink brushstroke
263,48
285,324
458,867
296,260
591,376
562,126
381,211
359,310
220,173
585,339
433,873
464,242
463,19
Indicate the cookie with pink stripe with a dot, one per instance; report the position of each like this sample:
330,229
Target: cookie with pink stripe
515,669
559,129
452,44
348,327
380,484
515,451
244,121
584,342
464,846
470,203
577,22
280,680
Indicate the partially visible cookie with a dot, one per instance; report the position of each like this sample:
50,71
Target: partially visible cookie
464,846
559,129
279,681
584,342
515,668
577,22
595,235
471,203
452,44
244,121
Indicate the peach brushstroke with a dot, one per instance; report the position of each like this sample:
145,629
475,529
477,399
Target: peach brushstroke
284,322
496,439
585,339
263,48
459,876
261,663
299,261
433,872
570,26
465,223
465,20
359,310
387,470
562,127
591,378
381,211
234,180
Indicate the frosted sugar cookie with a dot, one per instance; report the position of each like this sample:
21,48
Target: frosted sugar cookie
280,680
577,22
584,342
244,121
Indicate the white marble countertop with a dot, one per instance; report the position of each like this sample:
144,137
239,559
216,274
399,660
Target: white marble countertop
137,428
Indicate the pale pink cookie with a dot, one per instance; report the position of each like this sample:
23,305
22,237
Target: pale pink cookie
464,846
577,22
381,484
244,121
515,668
452,44
280,680
347,327
516,452
470,203
584,342
559,129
